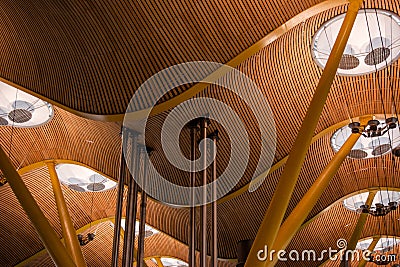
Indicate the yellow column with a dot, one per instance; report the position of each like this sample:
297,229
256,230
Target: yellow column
46,233
296,218
351,245
371,248
69,233
273,218
159,263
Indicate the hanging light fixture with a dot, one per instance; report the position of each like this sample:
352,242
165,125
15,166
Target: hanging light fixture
378,138
383,203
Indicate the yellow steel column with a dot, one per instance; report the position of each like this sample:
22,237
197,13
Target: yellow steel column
296,218
351,245
371,247
46,233
273,218
69,233
159,263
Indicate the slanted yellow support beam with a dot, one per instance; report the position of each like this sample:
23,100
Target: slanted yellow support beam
371,248
159,263
68,230
273,218
351,245
46,233
296,218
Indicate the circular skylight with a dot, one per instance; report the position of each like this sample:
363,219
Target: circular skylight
384,197
21,109
171,262
148,230
369,146
373,44
82,179
384,244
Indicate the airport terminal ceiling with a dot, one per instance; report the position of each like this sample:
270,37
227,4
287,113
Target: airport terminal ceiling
86,59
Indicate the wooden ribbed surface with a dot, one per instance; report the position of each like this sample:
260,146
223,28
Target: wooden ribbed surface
94,55
96,69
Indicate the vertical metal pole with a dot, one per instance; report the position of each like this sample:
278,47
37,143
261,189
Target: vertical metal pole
192,223
68,230
131,207
214,231
50,240
277,207
120,197
203,208
142,225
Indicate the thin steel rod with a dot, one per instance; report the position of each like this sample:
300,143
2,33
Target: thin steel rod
143,204
214,230
120,197
131,207
203,208
192,222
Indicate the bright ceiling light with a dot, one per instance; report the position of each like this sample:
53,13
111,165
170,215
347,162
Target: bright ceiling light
374,42
20,109
171,262
379,138
148,230
82,179
384,244
383,198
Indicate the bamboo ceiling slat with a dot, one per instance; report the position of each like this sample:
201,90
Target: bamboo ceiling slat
97,53
96,69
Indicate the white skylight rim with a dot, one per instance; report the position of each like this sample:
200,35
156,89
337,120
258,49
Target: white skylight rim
20,109
384,244
82,179
360,57
355,202
149,231
368,147
171,262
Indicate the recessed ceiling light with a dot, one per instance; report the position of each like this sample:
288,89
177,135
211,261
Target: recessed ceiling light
373,44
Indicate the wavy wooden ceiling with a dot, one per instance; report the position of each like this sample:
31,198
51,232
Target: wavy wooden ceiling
94,55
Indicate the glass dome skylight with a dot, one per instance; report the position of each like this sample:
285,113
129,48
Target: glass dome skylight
369,146
384,244
384,197
171,262
148,230
374,40
20,109
83,179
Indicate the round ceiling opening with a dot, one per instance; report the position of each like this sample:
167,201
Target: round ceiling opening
384,244
82,179
378,139
373,43
383,198
20,109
